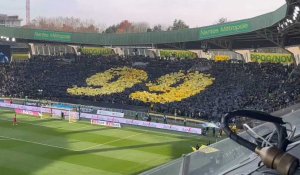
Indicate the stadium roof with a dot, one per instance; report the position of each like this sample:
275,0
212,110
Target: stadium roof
260,31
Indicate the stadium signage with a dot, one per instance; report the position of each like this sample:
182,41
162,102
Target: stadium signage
271,58
110,114
143,123
224,30
31,103
108,119
105,123
87,110
25,112
52,36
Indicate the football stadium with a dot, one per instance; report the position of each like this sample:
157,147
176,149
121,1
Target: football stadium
136,98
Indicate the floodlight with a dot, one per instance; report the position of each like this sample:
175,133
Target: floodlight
297,8
13,39
294,18
7,39
278,28
296,14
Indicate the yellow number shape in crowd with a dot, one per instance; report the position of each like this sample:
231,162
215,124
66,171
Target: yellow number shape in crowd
104,84
188,85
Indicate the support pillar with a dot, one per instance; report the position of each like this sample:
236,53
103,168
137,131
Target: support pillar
295,50
245,54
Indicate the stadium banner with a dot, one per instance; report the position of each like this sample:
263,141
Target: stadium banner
225,30
271,58
108,118
222,58
7,101
111,114
29,108
105,123
52,36
25,112
88,110
31,103
143,123
58,112
62,106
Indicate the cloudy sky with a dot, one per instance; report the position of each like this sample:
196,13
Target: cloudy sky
195,13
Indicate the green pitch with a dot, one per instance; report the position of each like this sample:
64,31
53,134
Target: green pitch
48,146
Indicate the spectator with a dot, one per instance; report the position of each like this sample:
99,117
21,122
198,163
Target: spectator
266,87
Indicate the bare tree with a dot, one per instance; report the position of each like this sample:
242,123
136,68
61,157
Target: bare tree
65,24
140,27
128,27
178,24
111,29
157,28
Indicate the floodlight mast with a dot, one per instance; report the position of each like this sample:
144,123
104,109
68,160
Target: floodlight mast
27,12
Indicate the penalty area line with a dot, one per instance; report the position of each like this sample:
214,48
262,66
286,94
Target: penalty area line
33,142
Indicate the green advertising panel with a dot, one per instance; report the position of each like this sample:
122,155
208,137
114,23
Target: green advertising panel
97,51
178,54
224,30
52,36
271,58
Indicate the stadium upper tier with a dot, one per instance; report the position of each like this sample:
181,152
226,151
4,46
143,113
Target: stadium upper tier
247,33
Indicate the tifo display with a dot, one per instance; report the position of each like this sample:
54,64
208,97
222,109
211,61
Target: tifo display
193,83
127,78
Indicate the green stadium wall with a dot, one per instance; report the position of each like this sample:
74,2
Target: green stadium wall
185,35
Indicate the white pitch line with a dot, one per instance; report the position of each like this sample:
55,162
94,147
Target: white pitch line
37,143
99,145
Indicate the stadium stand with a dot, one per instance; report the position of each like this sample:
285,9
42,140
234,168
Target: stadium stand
266,87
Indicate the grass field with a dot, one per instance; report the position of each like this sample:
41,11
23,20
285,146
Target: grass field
48,146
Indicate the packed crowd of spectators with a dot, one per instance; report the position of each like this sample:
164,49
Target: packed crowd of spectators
266,87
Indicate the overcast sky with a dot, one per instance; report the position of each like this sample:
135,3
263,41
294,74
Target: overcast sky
195,13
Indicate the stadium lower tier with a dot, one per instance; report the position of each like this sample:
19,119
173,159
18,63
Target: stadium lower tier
196,88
